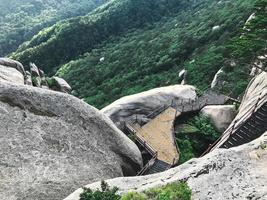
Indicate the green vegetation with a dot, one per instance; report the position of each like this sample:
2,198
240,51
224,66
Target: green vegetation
106,193
146,43
242,49
21,19
69,39
174,191
194,138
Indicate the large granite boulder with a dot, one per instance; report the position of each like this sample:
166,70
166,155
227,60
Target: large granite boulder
142,104
12,71
11,75
220,115
224,174
13,64
52,143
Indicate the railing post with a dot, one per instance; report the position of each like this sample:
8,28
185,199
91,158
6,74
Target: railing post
256,105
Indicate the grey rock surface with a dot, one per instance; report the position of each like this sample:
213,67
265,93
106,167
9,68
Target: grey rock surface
62,85
142,104
11,75
34,70
220,115
224,174
52,143
13,64
218,80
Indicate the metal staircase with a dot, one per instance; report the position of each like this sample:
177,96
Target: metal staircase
158,166
252,129
247,128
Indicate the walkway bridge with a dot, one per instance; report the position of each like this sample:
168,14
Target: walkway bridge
250,125
157,136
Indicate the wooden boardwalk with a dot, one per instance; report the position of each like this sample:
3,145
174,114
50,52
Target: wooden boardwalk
160,135
157,134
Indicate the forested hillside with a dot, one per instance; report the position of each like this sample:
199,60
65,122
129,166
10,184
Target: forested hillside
144,44
21,19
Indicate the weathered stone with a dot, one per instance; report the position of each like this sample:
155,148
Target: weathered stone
28,80
11,75
218,80
52,143
182,73
34,70
42,74
224,174
14,64
142,104
61,85
215,28
220,115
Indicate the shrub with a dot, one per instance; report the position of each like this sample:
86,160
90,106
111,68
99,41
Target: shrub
173,191
195,137
106,193
134,196
203,124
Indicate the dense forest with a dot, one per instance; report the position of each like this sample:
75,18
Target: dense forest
128,46
21,19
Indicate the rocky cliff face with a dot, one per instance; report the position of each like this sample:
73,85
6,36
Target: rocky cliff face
237,173
52,143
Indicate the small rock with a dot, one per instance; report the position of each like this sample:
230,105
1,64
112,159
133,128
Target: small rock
218,80
34,70
215,28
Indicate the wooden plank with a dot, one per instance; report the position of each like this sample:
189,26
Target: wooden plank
158,133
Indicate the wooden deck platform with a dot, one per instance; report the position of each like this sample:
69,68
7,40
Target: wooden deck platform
159,134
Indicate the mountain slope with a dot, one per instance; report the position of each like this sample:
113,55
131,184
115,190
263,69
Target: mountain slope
144,44
66,40
21,19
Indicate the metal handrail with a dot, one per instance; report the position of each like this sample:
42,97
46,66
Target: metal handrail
148,165
230,130
158,110
141,140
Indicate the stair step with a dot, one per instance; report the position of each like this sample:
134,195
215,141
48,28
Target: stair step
242,138
260,114
255,122
248,136
252,127
259,119
264,107
246,133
